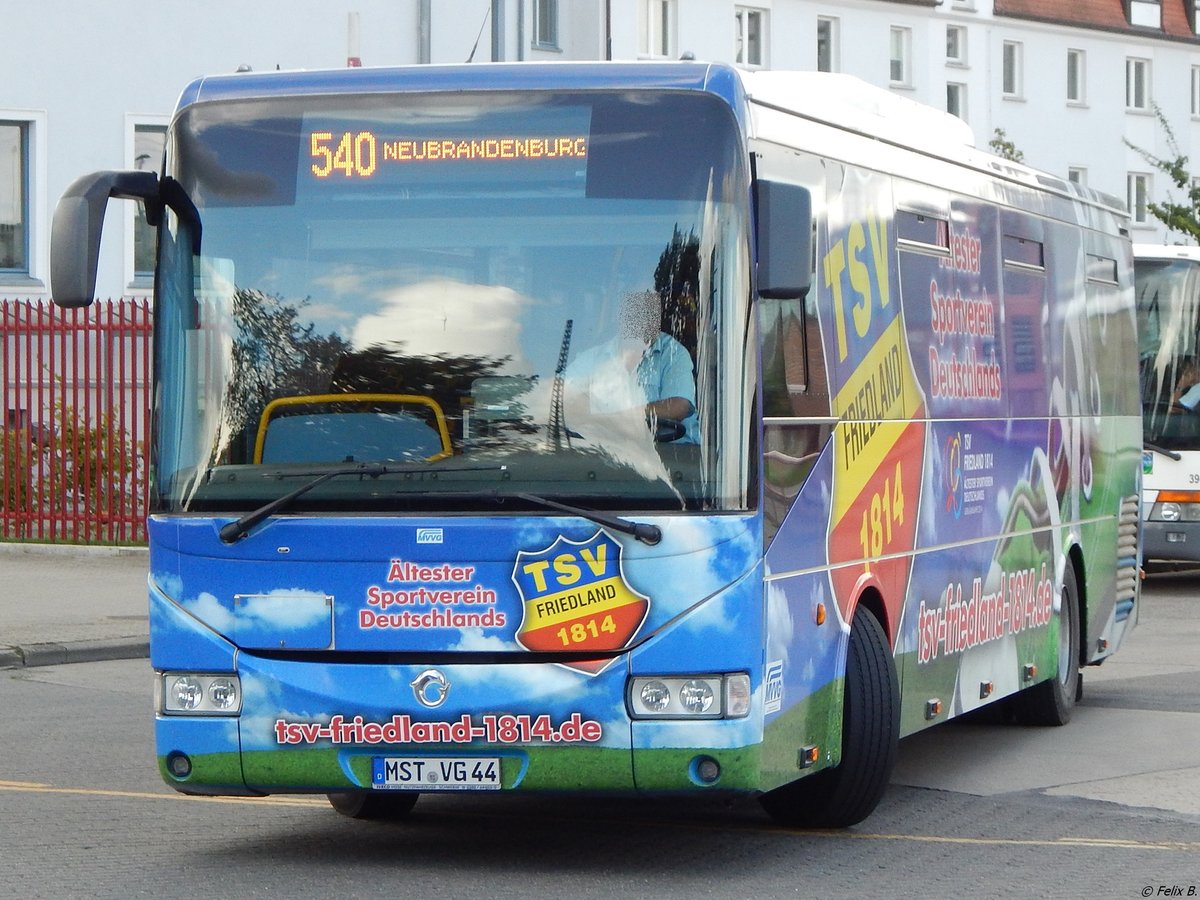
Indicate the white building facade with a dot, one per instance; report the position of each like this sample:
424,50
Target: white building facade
1070,84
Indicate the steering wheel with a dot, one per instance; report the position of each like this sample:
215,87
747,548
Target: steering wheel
667,430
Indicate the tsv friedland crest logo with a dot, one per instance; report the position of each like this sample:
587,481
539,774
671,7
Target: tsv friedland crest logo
575,597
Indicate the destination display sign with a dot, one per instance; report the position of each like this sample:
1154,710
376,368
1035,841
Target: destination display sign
540,145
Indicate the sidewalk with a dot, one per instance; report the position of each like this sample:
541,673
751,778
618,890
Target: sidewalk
71,604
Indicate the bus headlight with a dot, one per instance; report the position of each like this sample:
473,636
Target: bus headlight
690,697
655,696
1176,506
195,694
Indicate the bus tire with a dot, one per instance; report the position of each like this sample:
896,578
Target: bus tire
374,805
1051,702
847,793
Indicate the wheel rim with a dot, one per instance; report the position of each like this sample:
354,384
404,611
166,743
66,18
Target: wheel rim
1066,629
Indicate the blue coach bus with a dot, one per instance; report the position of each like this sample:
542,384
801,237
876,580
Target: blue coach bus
635,428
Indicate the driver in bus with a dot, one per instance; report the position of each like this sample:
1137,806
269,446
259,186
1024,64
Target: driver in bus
1187,388
641,366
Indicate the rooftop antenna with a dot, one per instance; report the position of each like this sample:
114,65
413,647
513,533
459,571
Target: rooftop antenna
482,25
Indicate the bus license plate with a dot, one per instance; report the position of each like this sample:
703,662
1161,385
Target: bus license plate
416,773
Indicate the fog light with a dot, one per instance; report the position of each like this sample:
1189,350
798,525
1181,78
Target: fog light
706,770
696,696
178,764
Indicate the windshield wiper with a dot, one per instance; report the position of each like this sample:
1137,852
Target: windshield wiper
233,531
642,531
1163,450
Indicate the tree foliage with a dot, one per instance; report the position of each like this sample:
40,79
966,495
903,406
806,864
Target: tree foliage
1182,216
17,478
94,469
70,468
1004,148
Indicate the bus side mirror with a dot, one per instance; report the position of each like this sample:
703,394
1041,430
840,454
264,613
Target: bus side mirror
784,237
78,223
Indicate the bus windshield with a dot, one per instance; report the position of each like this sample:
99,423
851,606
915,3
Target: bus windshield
1168,308
491,295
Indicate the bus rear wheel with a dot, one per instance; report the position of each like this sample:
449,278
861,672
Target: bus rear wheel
849,792
374,805
1051,702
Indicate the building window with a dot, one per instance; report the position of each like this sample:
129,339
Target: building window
545,23
1195,13
900,74
1012,64
1145,13
956,45
827,44
148,144
1077,175
751,36
14,198
658,28
1137,83
1138,197
956,100
1196,90
1076,80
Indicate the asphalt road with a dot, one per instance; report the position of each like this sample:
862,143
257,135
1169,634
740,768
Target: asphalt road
1108,806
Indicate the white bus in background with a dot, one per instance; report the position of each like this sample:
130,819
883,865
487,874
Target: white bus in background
1167,282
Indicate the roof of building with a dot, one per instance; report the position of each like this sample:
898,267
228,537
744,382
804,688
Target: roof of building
1105,15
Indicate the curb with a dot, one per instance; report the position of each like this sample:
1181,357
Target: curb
17,548
53,653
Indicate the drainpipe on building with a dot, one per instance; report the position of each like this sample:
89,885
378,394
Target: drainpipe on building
353,60
497,30
608,30
423,32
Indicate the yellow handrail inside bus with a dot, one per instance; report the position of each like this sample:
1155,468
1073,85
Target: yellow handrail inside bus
315,399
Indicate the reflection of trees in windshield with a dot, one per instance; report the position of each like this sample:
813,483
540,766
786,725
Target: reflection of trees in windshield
677,281
278,352
449,380
274,355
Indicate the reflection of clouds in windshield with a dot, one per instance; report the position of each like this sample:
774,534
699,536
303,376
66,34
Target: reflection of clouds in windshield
344,282
452,318
328,313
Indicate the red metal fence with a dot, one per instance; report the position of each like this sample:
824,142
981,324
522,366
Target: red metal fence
75,391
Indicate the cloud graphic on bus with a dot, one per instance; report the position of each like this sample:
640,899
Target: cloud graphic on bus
716,734
209,610
283,609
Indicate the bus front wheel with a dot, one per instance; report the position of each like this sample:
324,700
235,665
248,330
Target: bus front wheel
374,805
847,793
